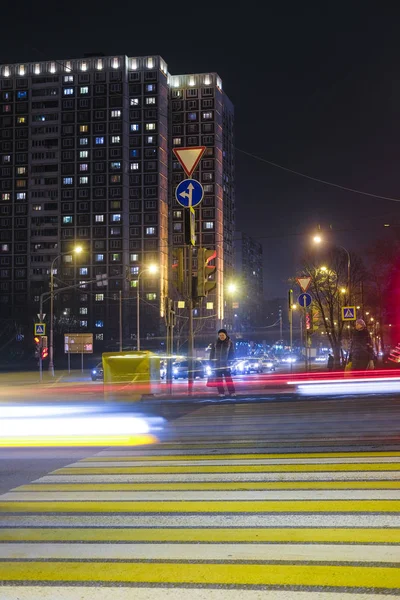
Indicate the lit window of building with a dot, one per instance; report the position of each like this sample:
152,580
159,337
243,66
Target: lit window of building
99,257
6,196
209,225
151,296
67,219
99,218
83,323
177,141
134,166
83,167
134,127
150,100
99,337
84,180
84,154
116,139
116,165
68,78
21,120
68,91
68,180
115,114
134,257
134,102
99,324
83,141
116,257
150,126
83,310
116,218
99,141
83,128
83,271
150,230
21,170
99,297
84,90
20,196
207,116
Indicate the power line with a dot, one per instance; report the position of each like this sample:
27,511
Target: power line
330,183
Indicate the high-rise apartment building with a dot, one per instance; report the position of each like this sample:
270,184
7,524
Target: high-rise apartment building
248,305
85,159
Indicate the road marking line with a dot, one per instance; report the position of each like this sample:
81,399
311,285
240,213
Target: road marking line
203,552
243,485
386,578
207,496
204,507
206,535
226,469
295,455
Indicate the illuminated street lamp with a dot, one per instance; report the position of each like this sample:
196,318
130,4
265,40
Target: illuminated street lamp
76,250
232,288
152,269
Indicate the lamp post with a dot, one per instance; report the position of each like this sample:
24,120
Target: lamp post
151,269
318,240
77,250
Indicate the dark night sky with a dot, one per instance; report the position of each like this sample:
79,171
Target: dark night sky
315,88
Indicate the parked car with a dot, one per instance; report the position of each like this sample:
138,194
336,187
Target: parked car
97,372
180,369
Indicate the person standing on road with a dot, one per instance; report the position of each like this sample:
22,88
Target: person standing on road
361,353
222,353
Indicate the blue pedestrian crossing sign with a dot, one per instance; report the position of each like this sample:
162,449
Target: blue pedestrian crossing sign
40,329
304,300
189,193
349,313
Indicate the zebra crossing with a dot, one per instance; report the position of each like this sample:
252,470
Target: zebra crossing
223,520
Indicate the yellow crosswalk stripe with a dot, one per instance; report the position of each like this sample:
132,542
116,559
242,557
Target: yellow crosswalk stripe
213,486
205,574
227,469
205,535
166,506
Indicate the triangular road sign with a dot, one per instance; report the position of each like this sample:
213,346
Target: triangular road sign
304,283
348,313
189,157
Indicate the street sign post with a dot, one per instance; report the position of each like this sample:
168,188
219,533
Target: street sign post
78,343
304,300
189,193
189,157
304,283
39,329
349,313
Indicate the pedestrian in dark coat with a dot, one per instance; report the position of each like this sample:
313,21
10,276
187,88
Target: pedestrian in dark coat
221,355
361,351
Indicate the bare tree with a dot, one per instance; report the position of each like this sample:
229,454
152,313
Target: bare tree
329,290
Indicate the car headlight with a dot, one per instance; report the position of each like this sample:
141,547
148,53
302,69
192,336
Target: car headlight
175,370
208,370
240,366
256,365
269,365
94,371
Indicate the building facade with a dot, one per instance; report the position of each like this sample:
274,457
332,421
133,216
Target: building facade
248,305
85,159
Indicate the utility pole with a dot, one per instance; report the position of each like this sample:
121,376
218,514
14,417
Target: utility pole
191,336
120,320
290,313
280,324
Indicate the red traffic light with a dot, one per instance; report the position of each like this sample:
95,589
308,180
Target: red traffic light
45,353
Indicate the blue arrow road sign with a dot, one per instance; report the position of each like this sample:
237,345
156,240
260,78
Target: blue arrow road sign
304,300
189,193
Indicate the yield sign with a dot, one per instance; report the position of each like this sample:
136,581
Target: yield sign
304,283
189,157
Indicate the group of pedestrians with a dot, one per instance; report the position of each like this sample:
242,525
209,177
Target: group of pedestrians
360,358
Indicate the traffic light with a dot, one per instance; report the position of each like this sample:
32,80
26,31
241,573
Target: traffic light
36,341
308,322
205,270
177,268
44,350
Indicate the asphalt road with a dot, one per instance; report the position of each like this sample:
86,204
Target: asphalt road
276,497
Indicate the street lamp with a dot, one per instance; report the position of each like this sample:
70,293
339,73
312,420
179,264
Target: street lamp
232,288
317,239
150,269
77,250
